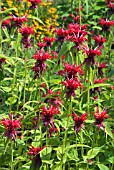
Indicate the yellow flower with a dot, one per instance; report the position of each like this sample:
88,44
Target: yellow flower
52,10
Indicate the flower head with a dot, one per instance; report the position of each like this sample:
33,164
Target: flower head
47,115
40,65
19,20
99,118
35,156
71,85
91,53
11,125
106,24
79,121
99,40
26,31
49,41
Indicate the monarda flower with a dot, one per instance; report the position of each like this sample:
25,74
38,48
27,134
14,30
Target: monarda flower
11,125
34,3
47,115
79,121
51,131
100,117
35,156
71,85
49,41
41,45
78,38
91,53
26,32
62,34
6,23
19,20
72,70
106,24
99,40
40,65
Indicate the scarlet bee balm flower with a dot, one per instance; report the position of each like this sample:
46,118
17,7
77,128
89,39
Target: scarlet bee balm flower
11,125
79,121
100,117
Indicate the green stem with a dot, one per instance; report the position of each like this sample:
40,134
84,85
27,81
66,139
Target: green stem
79,5
11,155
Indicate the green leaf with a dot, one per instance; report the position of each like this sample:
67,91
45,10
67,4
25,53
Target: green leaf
35,18
108,130
65,47
111,159
7,10
11,100
102,167
93,152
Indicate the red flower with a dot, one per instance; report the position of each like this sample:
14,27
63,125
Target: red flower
41,44
99,80
6,22
91,55
99,40
52,130
11,125
100,68
71,85
48,114
62,34
26,31
19,20
106,24
40,65
34,151
72,70
35,154
100,117
79,121
49,41
34,3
